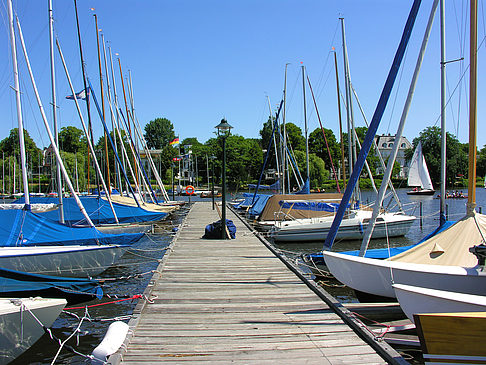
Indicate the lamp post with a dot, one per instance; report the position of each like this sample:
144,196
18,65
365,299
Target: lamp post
212,178
224,130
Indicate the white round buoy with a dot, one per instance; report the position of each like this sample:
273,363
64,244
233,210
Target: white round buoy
114,337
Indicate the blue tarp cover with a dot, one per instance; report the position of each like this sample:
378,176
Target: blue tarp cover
24,228
258,205
309,205
274,186
21,284
99,211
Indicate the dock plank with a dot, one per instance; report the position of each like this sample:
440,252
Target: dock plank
221,301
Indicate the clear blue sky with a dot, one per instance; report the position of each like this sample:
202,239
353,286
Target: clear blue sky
195,62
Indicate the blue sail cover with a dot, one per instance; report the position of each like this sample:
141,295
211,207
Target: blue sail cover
310,205
305,188
19,284
274,186
99,211
24,228
258,205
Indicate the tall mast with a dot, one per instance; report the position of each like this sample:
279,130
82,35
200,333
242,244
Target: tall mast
85,130
284,146
128,119
90,128
305,127
351,160
103,106
54,111
117,124
442,114
274,138
471,194
108,93
49,133
19,107
343,164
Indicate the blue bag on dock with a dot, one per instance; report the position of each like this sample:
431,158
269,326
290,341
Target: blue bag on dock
213,230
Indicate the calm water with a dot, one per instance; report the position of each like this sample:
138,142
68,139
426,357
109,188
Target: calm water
142,258
456,208
144,255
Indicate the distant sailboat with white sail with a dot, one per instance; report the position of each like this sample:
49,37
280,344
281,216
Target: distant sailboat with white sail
418,175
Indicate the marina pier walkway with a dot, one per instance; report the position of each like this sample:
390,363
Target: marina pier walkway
235,301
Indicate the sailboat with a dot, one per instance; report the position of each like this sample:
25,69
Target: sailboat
22,323
418,175
45,252
444,262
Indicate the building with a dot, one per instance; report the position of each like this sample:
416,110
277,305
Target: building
385,145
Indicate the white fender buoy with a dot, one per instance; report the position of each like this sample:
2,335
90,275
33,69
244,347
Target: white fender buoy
114,337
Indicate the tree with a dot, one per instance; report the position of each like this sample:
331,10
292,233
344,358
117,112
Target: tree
481,162
295,139
10,147
317,171
72,139
244,158
317,145
457,161
159,133
372,158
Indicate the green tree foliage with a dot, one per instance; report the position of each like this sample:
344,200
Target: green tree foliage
71,162
317,170
317,145
72,139
159,133
481,162
244,159
372,158
457,160
295,139
10,147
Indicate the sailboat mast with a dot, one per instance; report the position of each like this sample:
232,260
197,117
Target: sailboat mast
103,105
343,164
108,93
117,124
443,156
90,127
471,195
305,127
19,107
54,111
349,116
274,139
49,132
284,144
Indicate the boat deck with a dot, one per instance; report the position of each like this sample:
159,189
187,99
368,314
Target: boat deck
222,301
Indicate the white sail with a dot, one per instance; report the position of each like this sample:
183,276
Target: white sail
418,174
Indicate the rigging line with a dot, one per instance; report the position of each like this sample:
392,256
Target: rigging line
460,80
290,99
319,78
461,31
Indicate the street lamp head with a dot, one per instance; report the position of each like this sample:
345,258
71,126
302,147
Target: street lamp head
224,128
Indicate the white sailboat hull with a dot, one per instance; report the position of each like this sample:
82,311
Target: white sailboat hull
71,261
421,300
317,229
377,276
19,329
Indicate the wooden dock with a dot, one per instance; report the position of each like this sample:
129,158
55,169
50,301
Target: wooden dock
235,301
